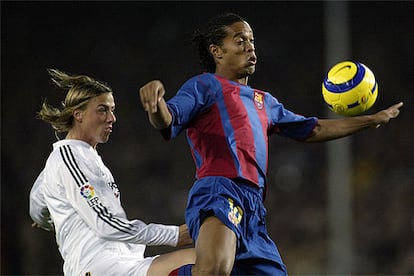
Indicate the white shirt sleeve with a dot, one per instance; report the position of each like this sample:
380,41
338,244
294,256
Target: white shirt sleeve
37,206
89,189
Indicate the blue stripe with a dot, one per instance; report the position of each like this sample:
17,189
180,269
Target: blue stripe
352,105
197,156
348,85
260,144
373,88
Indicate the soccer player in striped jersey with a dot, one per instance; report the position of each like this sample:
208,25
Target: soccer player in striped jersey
76,194
227,125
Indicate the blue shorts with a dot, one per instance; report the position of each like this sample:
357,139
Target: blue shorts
240,207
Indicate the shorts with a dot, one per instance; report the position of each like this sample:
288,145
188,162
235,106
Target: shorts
115,265
240,207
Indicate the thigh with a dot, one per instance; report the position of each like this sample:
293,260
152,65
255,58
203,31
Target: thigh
216,244
165,263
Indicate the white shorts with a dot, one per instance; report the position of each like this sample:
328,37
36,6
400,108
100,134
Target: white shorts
111,265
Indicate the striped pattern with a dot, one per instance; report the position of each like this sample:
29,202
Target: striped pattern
81,180
228,125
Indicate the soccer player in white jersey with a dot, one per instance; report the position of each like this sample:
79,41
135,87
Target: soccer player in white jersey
76,194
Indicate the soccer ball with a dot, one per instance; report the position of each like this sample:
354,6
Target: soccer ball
349,88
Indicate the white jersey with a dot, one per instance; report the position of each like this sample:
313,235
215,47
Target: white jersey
80,193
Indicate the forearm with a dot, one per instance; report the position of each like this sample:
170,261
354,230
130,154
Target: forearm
138,232
162,117
330,129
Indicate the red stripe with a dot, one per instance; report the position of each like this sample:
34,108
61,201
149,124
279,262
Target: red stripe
243,134
208,138
174,272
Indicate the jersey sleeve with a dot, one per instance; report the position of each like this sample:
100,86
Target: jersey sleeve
88,192
289,124
194,96
37,205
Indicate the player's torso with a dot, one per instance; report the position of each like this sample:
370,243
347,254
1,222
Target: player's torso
94,180
231,130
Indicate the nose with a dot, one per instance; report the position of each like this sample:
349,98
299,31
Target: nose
111,117
250,47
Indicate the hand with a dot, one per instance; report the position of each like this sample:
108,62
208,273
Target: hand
150,94
184,237
384,116
48,226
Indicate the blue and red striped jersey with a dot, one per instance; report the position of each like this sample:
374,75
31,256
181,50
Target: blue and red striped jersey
228,125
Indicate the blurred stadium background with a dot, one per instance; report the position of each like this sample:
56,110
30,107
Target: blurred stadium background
127,44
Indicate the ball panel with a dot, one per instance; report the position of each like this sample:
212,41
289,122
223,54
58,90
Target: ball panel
342,72
344,76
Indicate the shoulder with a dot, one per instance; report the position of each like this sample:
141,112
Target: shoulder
66,149
202,81
71,154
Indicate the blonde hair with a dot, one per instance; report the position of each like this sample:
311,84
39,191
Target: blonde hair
80,89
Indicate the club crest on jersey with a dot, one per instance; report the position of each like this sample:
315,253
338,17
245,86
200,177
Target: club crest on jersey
258,99
236,213
88,192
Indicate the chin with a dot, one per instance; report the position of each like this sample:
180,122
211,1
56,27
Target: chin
249,71
104,140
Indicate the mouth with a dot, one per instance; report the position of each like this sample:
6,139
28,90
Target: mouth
252,61
108,129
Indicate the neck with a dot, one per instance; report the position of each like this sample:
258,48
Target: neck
77,136
242,80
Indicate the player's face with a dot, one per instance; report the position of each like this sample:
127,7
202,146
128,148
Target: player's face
237,57
97,119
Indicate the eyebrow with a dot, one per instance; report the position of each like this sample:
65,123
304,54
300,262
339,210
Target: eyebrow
241,34
106,106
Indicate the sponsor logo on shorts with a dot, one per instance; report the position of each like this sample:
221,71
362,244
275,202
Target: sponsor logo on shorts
236,213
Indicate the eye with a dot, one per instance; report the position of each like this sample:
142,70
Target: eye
103,109
240,41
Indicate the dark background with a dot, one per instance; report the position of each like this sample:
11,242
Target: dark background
127,44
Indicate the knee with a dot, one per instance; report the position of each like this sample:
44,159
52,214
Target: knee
213,267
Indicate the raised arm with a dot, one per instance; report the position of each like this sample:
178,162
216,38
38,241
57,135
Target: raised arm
330,129
152,99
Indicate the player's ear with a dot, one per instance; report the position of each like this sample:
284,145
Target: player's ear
215,51
78,115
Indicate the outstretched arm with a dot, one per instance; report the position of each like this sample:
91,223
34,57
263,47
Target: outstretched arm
330,129
152,99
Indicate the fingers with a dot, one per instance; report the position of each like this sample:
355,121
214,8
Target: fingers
394,110
150,95
398,105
